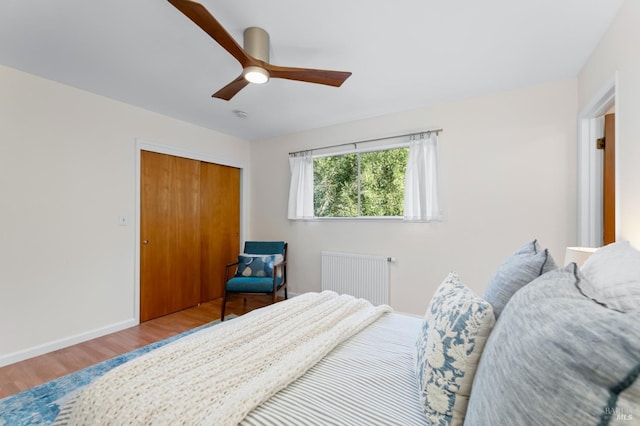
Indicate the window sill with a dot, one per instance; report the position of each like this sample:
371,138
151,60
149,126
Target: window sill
367,219
362,218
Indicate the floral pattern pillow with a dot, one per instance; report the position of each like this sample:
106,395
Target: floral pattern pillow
455,328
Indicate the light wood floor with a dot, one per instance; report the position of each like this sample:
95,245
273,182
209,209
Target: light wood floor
23,375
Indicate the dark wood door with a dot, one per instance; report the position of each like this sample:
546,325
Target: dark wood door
170,234
609,180
220,225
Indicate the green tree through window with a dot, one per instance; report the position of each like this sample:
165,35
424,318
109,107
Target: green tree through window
360,184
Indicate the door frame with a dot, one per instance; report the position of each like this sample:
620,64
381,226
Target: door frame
590,127
143,145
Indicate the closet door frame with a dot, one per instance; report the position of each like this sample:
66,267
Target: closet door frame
142,145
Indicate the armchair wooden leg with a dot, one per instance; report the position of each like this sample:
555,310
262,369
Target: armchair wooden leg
224,305
285,293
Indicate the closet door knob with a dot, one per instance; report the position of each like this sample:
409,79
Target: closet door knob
145,242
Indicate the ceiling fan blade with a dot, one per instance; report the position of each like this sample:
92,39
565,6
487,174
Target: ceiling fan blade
231,89
202,18
329,78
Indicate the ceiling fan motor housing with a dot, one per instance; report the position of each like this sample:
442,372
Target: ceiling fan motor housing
256,43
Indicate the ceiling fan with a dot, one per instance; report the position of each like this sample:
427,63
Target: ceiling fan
254,57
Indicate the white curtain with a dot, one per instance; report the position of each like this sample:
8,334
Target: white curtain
421,197
301,187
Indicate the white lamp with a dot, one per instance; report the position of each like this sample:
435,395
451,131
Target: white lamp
578,255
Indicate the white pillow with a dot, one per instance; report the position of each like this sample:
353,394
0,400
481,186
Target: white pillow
613,276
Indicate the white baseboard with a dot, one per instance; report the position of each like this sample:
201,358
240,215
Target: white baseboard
73,340
63,343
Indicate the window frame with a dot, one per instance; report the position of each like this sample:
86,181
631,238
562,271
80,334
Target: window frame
358,151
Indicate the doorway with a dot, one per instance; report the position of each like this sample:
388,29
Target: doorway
188,228
597,192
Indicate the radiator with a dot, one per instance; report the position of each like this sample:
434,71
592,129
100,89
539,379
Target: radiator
359,275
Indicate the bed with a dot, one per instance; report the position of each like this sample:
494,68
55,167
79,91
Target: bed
325,359
372,349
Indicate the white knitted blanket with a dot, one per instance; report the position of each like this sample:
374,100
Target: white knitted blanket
217,376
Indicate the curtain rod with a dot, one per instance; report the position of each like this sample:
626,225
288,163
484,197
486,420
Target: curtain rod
428,132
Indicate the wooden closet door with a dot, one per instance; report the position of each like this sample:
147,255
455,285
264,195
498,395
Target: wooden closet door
170,234
220,225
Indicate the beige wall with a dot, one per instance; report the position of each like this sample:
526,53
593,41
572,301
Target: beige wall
618,52
67,171
508,165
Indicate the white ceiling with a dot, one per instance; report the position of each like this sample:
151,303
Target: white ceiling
404,54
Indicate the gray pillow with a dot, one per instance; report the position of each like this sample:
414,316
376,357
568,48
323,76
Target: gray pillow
518,270
557,357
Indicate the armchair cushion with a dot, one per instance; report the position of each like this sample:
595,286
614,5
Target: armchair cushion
250,284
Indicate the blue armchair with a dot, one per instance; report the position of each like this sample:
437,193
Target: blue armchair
260,269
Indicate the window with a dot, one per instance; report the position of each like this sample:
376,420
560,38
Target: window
399,180
361,184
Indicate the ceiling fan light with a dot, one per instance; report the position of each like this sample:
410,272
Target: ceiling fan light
255,75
